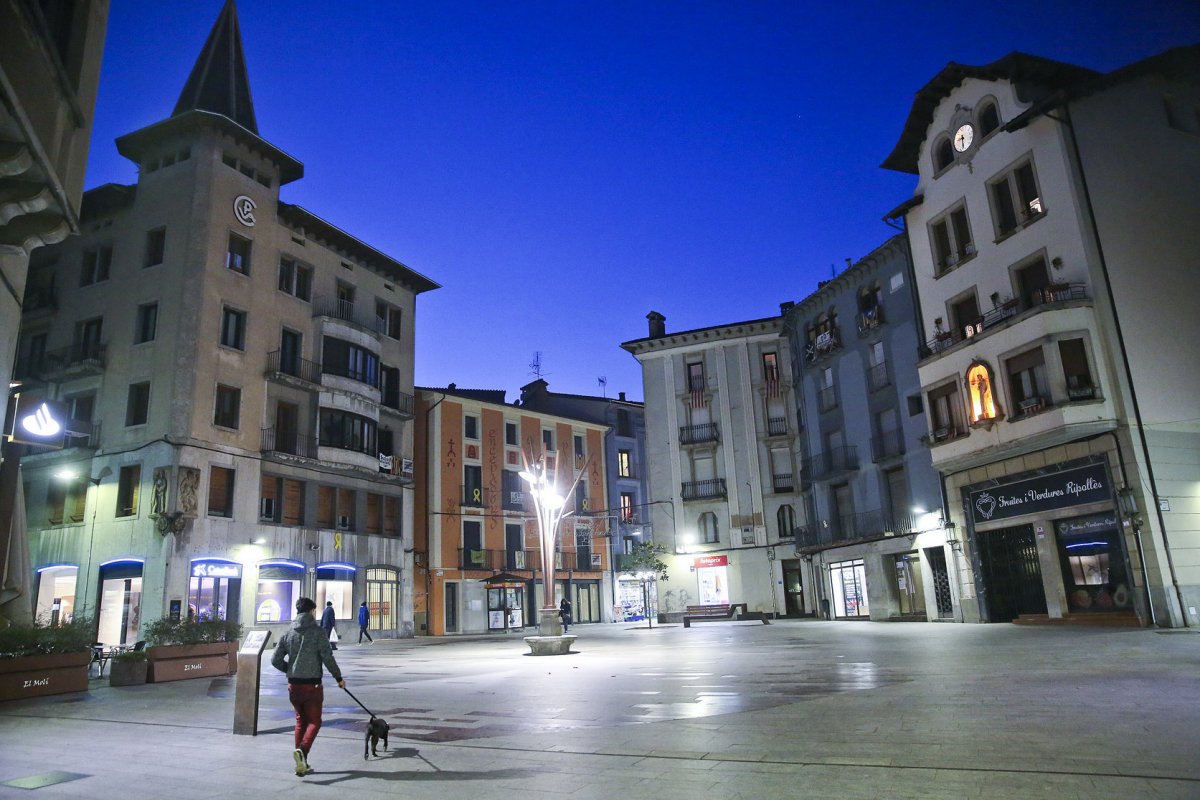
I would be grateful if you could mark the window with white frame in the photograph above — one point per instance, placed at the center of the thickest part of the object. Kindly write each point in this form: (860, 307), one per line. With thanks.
(1015, 197)
(950, 238)
(1027, 382)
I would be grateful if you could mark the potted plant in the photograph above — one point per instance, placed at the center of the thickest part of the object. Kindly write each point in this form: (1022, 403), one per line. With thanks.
(39, 659)
(191, 648)
(129, 668)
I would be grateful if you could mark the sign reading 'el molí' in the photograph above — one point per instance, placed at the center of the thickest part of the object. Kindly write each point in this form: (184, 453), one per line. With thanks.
(1072, 487)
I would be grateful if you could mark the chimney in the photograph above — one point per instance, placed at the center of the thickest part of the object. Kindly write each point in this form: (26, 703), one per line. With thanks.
(621, 396)
(658, 327)
(784, 308)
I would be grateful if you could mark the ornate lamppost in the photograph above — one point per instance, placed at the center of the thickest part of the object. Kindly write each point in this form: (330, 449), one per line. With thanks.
(549, 508)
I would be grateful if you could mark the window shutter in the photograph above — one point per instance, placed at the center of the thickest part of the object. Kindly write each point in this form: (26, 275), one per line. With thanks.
(325, 507)
(373, 514)
(293, 502)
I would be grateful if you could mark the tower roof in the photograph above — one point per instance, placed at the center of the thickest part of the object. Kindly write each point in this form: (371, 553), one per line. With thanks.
(218, 82)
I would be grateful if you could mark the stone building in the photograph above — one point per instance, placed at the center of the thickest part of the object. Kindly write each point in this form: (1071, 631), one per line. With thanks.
(239, 372)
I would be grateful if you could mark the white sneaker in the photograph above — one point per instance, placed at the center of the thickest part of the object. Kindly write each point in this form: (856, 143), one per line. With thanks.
(301, 762)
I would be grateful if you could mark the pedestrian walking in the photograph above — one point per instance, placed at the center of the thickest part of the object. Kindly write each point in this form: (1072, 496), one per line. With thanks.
(364, 619)
(301, 653)
(564, 612)
(327, 620)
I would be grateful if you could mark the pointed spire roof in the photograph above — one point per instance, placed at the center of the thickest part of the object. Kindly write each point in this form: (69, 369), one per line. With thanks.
(219, 82)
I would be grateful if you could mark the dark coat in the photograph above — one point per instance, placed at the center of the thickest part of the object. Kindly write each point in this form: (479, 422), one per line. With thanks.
(327, 620)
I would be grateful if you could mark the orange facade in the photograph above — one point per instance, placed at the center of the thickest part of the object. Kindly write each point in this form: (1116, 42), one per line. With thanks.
(466, 511)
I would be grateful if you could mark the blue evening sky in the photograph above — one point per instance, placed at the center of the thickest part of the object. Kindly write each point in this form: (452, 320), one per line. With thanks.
(562, 168)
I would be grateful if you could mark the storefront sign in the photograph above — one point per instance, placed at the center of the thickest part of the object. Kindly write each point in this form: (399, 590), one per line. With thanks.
(711, 561)
(1072, 487)
(215, 569)
(243, 209)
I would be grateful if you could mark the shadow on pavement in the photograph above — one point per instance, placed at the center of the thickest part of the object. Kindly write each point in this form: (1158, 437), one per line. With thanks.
(338, 776)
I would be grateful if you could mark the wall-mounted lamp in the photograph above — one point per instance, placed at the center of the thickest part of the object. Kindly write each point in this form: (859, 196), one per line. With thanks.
(68, 474)
(1056, 262)
(1127, 501)
(955, 544)
(259, 540)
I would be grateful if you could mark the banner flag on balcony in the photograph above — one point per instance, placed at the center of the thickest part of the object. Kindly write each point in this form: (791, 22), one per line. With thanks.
(697, 398)
(772, 387)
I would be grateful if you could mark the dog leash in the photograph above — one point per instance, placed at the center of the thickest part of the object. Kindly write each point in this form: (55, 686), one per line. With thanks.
(355, 699)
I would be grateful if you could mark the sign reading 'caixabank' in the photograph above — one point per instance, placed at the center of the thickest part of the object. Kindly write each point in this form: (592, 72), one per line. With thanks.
(1071, 487)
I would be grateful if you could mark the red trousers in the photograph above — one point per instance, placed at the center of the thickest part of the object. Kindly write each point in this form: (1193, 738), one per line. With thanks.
(306, 699)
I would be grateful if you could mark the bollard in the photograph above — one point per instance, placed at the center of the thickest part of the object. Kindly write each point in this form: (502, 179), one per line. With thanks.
(245, 697)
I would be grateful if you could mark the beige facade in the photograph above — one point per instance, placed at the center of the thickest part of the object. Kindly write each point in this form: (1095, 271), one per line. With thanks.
(722, 449)
(1054, 271)
(240, 372)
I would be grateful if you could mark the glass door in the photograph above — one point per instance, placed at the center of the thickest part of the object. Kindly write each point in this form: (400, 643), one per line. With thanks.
(848, 580)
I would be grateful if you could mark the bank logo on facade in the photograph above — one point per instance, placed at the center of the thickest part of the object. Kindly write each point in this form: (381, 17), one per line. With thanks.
(243, 209)
(985, 504)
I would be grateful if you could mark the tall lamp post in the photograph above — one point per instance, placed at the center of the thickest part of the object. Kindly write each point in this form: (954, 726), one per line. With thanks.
(549, 508)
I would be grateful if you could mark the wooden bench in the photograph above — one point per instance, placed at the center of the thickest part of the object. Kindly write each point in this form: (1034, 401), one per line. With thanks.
(725, 611)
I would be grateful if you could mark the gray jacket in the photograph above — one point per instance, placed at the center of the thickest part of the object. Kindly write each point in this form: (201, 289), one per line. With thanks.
(302, 650)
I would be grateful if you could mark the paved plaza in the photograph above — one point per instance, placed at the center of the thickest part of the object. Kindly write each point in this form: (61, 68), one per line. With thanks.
(796, 709)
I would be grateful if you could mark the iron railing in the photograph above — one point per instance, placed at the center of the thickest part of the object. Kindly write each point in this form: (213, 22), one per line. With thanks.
(832, 463)
(783, 483)
(398, 401)
(877, 376)
(888, 444)
(296, 367)
(1001, 312)
(777, 426)
(699, 490)
(853, 527)
(699, 434)
(289, 443)
(869, 320)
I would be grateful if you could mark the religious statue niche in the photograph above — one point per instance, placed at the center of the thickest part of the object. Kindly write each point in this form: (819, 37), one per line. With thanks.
(981, 395)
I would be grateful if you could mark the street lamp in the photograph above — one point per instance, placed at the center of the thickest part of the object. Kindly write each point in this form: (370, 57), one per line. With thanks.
(549, 507)
(645, 576)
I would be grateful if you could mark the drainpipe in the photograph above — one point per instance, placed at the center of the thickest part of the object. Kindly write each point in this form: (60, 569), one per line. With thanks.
(1137, 531)
(1137, 412)
(429, 519)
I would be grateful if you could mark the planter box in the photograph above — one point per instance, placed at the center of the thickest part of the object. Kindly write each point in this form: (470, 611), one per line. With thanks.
(37, 676)
(177, 662)
(128, 673)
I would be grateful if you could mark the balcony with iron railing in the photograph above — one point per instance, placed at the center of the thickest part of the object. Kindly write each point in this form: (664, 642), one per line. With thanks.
(292, 366)
(887, 445)
(77, 360)
(290, 443)
(777, 426)
(480, 559)
(513, 499)
(833, 463)
(869, 320)
(877, 376)
(824, 344)
(84, 441)
(398, 402)
(699, 434)
(783, 484)
(827, 399)
(945, 433)
(346, 311)
(1005, 313)
(853, 527)
(39, 302)
(475, 496)
(702, 490)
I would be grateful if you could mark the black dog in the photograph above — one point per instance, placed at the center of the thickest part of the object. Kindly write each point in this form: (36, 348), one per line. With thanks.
(376, 729)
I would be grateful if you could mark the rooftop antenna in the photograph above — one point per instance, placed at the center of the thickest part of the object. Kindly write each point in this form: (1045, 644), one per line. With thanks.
(535, 366)
(603, 381)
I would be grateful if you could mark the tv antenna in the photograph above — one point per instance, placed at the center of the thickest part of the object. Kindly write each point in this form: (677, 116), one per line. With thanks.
(603, 381)
(535, 366)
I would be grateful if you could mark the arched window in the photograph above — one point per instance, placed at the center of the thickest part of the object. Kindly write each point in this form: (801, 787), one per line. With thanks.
(786, 519)
(943, 154)
(989, 118)
(981, 393)
(709, 534)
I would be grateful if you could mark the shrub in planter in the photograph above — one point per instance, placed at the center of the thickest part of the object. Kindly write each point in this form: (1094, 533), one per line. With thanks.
(42, 659)
(128, 669)
(191, 648)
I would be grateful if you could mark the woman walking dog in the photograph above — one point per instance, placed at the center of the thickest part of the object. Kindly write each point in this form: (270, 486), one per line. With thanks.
(301, 652)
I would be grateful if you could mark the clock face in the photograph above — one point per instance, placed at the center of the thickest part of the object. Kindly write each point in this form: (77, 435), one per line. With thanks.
(963, 138)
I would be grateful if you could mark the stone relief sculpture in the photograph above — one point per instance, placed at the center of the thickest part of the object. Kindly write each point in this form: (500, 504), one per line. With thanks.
(189, 488)
(158, 504)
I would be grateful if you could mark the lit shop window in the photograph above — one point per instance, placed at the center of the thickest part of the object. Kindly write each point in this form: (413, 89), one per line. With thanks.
(278, 591)
(335, 584)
